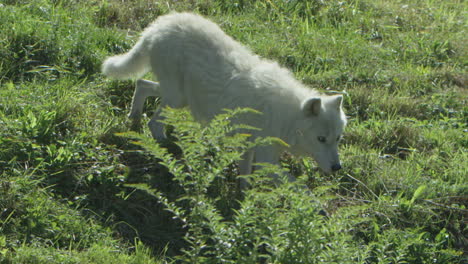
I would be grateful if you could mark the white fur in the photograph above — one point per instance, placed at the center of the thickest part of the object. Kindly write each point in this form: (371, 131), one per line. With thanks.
(199, 66)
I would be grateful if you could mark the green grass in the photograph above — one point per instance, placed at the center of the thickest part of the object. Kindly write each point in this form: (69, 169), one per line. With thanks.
(72, 190)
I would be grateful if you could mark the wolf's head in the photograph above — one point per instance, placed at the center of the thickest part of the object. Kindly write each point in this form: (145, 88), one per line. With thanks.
(318, 130)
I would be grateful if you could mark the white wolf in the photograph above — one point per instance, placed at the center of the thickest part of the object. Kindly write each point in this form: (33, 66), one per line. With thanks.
(200, 67)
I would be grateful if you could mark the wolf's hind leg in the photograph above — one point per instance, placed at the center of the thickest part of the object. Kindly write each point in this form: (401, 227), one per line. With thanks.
(143, 90)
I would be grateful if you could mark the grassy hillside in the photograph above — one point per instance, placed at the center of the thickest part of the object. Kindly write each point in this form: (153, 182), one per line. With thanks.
(73, 190)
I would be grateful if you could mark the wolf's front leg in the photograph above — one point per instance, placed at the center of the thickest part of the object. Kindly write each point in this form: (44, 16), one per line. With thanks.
(156, 127)
(270, 154)
(245, 168)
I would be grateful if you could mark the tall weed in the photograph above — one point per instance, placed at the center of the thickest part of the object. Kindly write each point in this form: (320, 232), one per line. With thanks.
(277, 224)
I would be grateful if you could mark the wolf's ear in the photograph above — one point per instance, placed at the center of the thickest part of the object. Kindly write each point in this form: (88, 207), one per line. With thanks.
(337, 101)
(311, 106)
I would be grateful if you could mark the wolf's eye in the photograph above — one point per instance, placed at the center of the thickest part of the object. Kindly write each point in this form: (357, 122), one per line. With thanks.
(321, 139)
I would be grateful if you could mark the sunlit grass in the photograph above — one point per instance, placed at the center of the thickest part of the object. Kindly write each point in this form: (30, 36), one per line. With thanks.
(72, 191)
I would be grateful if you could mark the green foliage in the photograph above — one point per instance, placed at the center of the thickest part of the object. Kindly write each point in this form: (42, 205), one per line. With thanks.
(269, 224)
(72, 191)
(40, 40)
(95, 254)
(272, 224)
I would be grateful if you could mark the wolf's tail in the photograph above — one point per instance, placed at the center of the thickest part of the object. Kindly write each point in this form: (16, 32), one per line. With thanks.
(132, 64)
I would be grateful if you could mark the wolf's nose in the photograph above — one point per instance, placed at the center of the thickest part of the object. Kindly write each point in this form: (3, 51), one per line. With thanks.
(336, 167)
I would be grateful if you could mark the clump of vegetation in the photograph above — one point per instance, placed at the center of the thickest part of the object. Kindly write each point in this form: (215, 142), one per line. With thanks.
(274, 224)
(74, 191)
